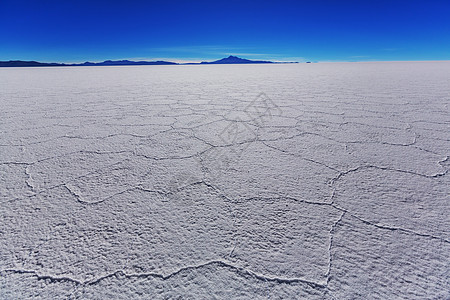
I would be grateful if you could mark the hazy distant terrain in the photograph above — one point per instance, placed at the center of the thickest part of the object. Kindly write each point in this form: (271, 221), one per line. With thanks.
(301, 181)
(227, 60)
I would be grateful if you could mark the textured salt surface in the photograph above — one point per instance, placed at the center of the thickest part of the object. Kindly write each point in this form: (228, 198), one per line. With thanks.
(317, 181)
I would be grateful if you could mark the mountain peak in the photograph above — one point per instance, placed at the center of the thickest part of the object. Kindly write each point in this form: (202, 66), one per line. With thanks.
(237, 60)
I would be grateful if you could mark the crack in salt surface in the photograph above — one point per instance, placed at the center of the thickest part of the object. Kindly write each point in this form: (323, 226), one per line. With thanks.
(121, 273)
(137, 187)
(330, 262)
(391, 228)
(342, 174)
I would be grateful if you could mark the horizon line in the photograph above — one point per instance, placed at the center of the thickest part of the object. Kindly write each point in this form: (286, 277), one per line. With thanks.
(183, 62)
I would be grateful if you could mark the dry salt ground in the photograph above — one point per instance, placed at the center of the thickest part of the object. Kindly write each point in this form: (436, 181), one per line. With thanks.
(298, 181)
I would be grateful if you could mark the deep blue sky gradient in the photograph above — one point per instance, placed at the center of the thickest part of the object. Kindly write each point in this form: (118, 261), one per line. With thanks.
(315, 30)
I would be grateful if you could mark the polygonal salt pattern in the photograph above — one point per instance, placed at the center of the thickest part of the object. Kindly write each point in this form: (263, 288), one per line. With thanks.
(296, 181)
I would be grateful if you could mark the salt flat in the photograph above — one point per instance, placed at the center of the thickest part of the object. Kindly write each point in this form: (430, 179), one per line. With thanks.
(299, 181)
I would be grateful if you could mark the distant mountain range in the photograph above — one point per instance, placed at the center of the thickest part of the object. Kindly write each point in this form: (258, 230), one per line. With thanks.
(228, 60)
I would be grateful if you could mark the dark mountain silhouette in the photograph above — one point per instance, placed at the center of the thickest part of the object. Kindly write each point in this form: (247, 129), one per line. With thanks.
(228, 60)
(20, 63)
(127, 63)
(236, 60)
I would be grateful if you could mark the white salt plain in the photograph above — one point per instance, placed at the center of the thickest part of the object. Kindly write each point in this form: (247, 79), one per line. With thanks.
(299, 181)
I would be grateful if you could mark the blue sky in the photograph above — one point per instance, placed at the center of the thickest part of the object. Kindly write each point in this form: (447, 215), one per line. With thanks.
(315, 30)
